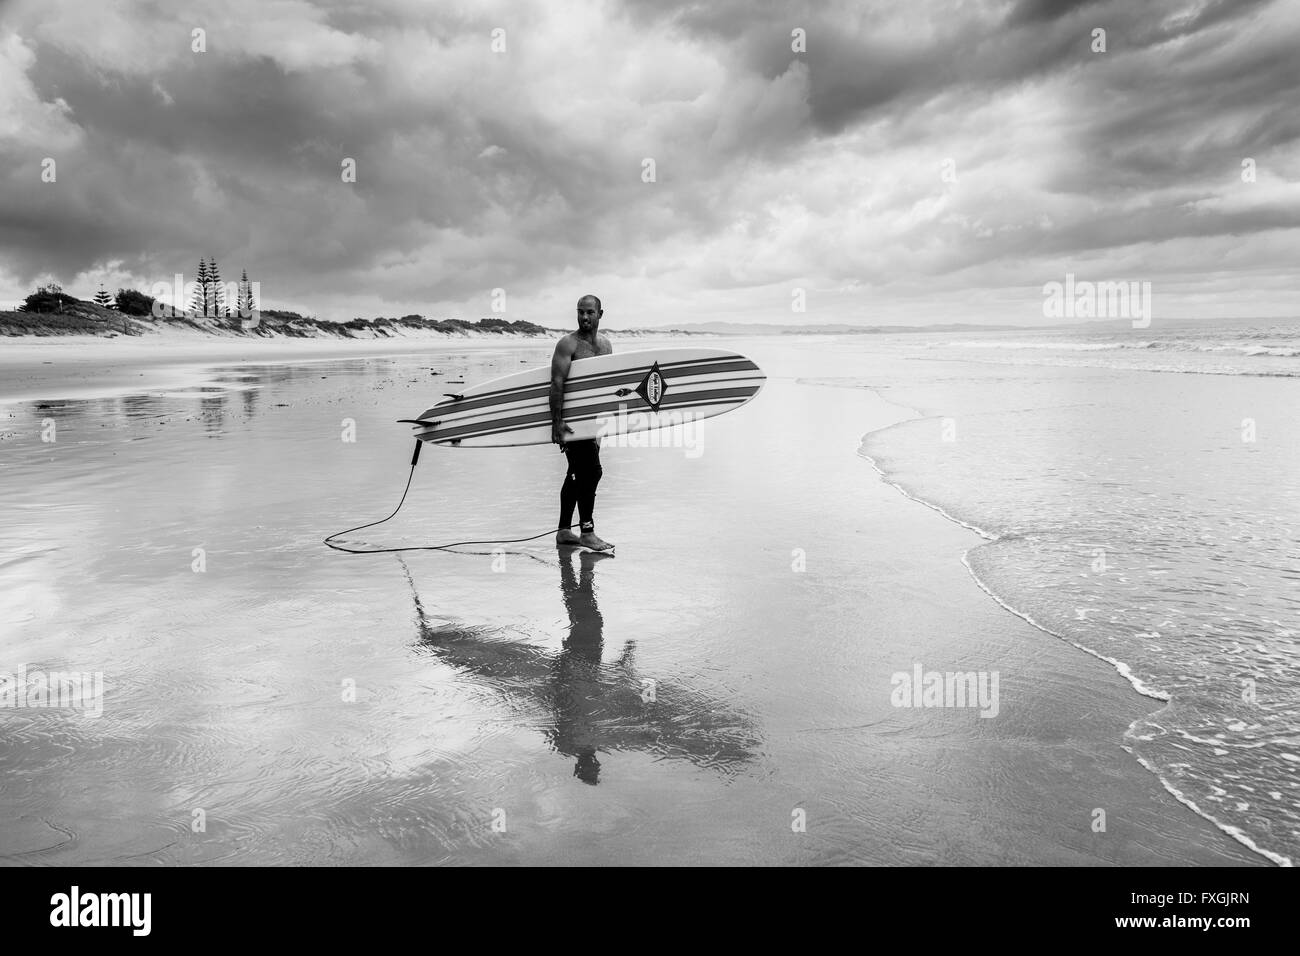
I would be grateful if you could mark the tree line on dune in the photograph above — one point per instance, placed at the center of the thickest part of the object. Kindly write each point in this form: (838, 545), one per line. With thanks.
(208, 300)
(51, 310)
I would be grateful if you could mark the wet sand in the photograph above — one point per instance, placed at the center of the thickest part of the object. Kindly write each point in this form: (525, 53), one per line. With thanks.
(726, 675)
(87, 366)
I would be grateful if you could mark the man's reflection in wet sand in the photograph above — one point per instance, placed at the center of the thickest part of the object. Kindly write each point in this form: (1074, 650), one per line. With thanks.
(596, 707)
(579, 690)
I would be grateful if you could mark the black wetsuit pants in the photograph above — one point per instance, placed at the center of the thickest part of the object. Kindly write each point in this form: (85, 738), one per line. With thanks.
(580, 482)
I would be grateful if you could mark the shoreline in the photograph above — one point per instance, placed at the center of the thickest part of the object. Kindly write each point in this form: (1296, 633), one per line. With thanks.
(1121, 668)
(1200, 832)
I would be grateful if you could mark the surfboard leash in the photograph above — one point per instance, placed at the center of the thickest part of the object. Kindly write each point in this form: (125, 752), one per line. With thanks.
(415, 460)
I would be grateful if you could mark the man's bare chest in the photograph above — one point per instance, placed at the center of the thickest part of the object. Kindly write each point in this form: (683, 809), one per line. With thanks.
(585, 349)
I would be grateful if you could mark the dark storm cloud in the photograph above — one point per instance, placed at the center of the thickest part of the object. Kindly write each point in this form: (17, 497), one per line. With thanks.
(267, 143)
(858, 76)
(1041, 11)
(1206, 108)
(476, 170)
(243, 155)
(1191, 108)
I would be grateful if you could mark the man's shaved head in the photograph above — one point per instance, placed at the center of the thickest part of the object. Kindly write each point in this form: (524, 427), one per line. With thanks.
(589, 312)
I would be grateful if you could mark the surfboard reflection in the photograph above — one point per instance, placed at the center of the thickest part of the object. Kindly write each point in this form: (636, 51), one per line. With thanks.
(595, 707)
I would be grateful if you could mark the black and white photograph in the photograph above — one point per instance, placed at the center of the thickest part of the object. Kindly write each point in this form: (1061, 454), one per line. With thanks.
(614, 433)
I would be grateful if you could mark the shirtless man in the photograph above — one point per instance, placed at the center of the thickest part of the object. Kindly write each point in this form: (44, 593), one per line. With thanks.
(583, 473)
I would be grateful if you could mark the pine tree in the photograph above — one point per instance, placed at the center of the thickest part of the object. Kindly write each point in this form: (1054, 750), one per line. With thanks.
(219, 309)
(199, 304)
(103, 299)
(247, 305)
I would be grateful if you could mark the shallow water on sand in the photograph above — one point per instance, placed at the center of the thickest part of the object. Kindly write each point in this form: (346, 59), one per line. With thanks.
(268, 700)
(1153, 519)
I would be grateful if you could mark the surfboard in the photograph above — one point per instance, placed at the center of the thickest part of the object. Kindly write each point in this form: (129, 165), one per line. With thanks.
(603, 395)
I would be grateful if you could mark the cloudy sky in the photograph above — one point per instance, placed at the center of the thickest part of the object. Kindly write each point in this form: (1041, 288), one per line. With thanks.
(917, 162)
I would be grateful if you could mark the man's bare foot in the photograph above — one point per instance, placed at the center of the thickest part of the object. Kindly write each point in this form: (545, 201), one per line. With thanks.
(589, 540)
(565, 536)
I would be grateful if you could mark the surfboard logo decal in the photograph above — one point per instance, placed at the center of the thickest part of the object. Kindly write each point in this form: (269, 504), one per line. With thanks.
(653, 388)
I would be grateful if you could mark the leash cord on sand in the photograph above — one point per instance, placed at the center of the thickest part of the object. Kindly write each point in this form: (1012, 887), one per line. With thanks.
(415, 458)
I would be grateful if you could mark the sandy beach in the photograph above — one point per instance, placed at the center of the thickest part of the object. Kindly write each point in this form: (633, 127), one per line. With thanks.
(89, 366)
(650, 435)
(491, 707)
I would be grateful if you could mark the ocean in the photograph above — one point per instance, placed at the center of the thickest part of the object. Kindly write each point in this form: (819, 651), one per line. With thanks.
(1150, 519)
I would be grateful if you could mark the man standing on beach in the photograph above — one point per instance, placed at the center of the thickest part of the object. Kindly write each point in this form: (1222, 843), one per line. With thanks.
(583, 473)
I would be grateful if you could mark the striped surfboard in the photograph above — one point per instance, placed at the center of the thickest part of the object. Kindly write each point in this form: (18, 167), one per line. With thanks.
(603, 395)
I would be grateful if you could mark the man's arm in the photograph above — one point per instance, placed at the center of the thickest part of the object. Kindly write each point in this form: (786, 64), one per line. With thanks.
(560, 364)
